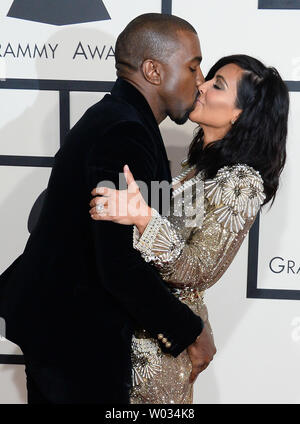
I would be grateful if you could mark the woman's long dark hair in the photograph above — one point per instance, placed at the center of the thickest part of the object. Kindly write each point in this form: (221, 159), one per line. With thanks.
(258, 137)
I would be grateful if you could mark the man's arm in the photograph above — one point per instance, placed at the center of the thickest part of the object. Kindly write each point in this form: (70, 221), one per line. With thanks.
(135, 284)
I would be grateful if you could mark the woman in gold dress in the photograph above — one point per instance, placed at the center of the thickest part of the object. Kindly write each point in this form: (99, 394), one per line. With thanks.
(232, 169)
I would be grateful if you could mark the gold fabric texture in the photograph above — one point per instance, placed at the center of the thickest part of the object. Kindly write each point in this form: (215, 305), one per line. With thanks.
(190, 259)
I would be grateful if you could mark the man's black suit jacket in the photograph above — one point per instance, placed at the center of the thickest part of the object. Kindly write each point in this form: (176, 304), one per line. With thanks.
(74, 296)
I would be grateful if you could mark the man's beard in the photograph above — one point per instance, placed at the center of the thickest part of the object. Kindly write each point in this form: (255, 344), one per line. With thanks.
(182, 120)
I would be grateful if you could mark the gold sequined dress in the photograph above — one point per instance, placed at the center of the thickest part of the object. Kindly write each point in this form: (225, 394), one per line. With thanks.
(192, 248)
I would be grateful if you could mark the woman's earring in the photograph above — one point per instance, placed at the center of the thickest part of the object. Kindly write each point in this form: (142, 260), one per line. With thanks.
(233, 121)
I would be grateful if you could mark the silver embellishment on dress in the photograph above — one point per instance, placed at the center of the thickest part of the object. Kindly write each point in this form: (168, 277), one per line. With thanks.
(187, 293)
(238, 193)
(192, 189)
(146, 359)
(159, 242)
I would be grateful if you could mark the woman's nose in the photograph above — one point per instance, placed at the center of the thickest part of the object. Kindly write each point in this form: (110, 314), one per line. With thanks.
(200, 78)
(202, 88)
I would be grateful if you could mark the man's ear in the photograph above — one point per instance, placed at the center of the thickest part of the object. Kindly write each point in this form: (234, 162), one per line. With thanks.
(152, 71)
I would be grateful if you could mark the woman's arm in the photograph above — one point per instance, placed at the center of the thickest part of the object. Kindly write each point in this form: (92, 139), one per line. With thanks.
(232, 200)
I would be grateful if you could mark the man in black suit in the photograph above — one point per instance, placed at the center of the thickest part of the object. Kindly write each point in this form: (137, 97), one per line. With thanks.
(73, 298)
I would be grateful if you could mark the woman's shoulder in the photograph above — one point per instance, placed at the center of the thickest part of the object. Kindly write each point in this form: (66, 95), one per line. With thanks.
(241, 174)
(184, 163)
(237, 193)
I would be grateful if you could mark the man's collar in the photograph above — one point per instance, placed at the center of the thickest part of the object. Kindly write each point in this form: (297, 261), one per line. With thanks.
(128, 93)
(124, 90)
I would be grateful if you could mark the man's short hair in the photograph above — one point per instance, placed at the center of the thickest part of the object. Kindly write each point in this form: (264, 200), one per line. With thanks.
(149, 36)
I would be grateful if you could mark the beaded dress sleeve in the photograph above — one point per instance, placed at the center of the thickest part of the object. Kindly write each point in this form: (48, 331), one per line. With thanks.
(196, 252)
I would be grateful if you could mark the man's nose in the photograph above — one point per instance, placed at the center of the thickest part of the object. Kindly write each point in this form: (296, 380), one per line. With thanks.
(200, 78)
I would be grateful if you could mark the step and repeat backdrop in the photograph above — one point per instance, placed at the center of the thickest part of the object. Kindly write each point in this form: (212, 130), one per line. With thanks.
(56, 60)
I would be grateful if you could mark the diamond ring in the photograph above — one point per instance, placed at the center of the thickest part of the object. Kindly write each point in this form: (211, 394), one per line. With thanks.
(100, 208)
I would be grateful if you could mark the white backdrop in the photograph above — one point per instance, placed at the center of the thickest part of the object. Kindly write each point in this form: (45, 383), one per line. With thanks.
(258, 339)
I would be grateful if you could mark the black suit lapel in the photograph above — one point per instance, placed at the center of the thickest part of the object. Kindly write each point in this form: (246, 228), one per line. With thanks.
(126, 91)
